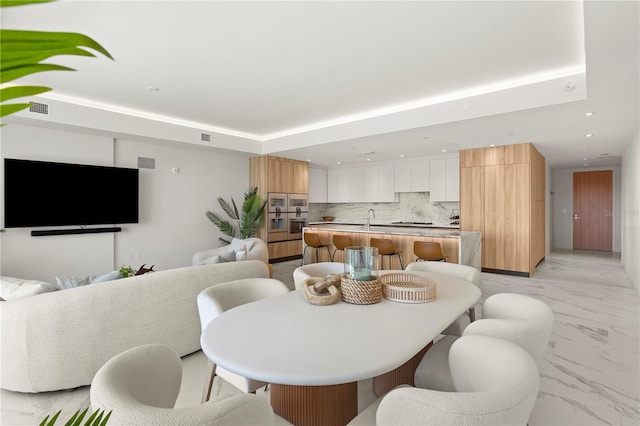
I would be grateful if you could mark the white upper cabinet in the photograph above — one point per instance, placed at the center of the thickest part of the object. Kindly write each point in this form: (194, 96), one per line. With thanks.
(381, 182)
(386, 191)
(444, 179)
(438, 179)
(412, 176)
(371, 185)
(356, 184)
(338, 186)
(402, 177)
(366, 184)
(317, 185)
(420, 176)
(453, 179)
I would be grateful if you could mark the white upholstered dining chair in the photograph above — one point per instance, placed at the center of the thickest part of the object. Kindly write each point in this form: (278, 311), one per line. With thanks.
(465, 272)
(496, 383)
(221, 297)
(523, 320)
(140, 387)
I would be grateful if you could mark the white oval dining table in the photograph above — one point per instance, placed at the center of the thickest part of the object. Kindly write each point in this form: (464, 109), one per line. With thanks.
(314, 355)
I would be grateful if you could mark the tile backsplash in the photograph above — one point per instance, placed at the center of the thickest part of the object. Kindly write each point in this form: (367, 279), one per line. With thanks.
(412, 207)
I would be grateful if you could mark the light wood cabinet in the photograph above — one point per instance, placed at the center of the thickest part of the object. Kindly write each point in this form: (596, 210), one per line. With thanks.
(502, 196)
(404, 243)
(276, 174)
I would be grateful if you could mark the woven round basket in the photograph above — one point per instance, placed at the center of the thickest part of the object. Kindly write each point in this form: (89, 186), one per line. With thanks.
(408, 288)
(361, 292)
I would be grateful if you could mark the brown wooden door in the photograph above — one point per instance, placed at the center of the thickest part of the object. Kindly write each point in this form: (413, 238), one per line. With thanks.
(592, 210)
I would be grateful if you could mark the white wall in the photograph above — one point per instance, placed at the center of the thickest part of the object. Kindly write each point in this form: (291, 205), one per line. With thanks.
(172, 224)
(630, 210)
(562, 204)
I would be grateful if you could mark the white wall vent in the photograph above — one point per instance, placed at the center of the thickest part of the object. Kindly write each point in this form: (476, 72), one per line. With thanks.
(146, 163)
(205, 137)
(39, 108)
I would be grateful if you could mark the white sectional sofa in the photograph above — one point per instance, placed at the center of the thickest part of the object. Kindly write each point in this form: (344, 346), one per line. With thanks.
(239, 249)
(59, 340)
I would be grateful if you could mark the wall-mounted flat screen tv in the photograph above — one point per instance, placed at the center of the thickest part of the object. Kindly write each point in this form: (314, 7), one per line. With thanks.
(41, 193)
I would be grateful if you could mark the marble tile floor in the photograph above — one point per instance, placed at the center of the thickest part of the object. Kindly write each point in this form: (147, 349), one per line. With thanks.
(590, 375)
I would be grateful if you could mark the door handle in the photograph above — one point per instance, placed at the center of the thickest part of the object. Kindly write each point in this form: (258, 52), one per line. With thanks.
(576, 217)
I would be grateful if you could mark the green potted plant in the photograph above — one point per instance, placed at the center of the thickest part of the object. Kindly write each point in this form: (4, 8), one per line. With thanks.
(248, 221)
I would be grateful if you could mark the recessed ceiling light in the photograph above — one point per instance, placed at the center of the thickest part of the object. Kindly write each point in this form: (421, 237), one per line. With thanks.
(444, 150)
(368, 159)
(589, 114)
(493, 144)
(588, 135)
(401, 155)
(339, 162)
(585, 158)
(309, 160)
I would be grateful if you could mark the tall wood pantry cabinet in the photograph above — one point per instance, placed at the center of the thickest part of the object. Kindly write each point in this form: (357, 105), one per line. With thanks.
(502, 195)
(277, 174)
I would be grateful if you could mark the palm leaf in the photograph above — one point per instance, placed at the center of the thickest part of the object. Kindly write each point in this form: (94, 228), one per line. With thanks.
(235, 210)
(24, 51)
(52, 421)
(224, 226)
(12, 108)
(21, 91)
(9, 3)
(231, 211)
(15, 73)
(96, 418)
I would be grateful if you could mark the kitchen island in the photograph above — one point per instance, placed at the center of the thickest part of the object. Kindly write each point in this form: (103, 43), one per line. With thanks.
(462, 247)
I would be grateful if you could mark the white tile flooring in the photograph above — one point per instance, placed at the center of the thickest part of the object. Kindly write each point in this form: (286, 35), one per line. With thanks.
(590, 375)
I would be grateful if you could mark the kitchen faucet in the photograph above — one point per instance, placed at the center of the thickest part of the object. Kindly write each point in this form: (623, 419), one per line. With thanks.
(369, 217)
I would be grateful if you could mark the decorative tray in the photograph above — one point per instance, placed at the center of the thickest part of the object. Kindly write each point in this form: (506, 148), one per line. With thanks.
(408, 288)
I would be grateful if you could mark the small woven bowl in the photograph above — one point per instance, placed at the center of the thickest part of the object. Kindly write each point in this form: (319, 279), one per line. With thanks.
(408, 288)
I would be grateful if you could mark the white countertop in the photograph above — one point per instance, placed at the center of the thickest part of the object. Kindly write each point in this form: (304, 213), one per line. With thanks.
(286, 340)
(417, 230)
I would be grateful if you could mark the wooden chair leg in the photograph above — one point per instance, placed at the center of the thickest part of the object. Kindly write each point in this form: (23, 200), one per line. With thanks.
(208, 383)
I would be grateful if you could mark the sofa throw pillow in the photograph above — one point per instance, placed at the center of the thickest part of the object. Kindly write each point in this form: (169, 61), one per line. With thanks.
(229, 256)
(241, 253)
(72, 282)
(15, 288)
(237, 243)
(213, 259)
(113, 275)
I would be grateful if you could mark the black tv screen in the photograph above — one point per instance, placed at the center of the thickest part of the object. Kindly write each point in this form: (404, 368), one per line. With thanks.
(41, 193)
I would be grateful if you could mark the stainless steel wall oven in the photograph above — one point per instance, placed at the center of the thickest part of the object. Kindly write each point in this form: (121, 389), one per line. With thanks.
(287, 215)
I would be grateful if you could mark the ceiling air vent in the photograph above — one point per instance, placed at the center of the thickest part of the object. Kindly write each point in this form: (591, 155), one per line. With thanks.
(205, 137)
(39, 108)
